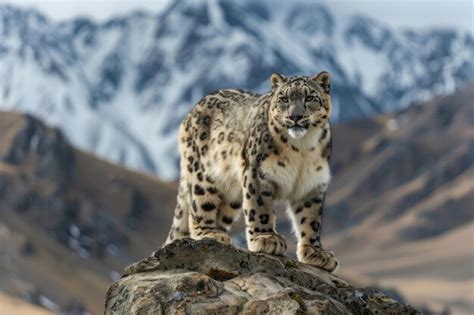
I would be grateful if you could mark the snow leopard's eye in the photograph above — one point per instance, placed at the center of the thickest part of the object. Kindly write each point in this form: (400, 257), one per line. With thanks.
(309, 98)
(314, 103)
(284, 99)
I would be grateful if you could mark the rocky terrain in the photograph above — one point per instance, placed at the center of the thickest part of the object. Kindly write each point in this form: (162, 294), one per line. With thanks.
(208, 277)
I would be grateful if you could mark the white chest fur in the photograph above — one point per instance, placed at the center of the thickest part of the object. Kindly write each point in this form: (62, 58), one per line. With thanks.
(297, 173)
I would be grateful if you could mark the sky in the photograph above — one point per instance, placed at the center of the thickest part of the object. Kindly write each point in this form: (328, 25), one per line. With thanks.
(413, 14)
(397, 13)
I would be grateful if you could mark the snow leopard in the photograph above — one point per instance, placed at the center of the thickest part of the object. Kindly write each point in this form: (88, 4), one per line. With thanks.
(243, 152)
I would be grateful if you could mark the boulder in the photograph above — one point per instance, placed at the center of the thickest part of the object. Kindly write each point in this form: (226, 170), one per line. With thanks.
(208, 277)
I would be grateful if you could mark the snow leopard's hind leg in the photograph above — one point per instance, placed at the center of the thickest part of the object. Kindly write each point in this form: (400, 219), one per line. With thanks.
(203, 197)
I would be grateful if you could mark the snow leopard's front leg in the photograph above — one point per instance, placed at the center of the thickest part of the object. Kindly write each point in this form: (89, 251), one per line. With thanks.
(307, 218)
(260, 216)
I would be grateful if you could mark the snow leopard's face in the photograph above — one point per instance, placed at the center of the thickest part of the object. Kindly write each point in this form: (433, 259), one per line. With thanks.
(300, 102)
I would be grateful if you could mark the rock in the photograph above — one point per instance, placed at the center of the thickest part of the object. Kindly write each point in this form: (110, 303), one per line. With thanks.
(208, 277)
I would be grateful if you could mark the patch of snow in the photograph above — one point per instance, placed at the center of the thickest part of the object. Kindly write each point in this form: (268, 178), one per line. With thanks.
(74, 230)
(114, 276)
(49, 304)
(392, 124)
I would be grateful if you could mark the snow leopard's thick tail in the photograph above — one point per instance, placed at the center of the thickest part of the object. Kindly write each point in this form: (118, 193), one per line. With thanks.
(180, 227)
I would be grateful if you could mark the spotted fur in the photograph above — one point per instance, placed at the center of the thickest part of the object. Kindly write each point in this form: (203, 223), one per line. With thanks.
(241, 152)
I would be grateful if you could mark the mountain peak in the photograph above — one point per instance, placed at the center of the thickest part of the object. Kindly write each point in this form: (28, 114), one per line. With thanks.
(11, 15)
(369, 31)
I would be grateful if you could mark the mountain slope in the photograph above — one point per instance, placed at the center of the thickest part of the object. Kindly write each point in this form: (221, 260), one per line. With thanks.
(418, 160)
(69, 221)
(120, 88)
(13, 306)
(400, 207)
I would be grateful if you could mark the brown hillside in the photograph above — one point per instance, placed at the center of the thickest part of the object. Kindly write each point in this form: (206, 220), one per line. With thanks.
(400, 209)
(70, 221)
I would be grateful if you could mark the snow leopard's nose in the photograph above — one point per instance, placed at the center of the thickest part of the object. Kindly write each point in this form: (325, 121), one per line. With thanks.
(295, 117)
(295, 111)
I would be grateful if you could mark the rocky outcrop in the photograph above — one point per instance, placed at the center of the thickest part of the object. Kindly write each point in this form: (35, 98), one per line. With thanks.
(29, 140)
(208, 277)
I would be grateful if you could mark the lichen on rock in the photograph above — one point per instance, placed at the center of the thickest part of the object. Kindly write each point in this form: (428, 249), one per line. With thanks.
(208, 277)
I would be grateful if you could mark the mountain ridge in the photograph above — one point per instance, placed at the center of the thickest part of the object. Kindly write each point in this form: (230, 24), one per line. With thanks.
(126, 83)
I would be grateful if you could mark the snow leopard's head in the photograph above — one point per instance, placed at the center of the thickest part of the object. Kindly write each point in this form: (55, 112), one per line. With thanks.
(299, 103)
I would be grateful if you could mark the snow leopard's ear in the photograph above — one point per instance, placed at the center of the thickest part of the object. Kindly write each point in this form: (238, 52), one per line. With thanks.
(323, 79)
(277, 79)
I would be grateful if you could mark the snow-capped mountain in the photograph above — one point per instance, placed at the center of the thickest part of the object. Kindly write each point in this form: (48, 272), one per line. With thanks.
(121, 87)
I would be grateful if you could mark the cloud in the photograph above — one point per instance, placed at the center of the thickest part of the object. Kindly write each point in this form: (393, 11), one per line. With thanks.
(411, 14)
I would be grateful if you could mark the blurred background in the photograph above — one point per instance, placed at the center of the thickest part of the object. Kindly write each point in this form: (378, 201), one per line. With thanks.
(92, 94)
